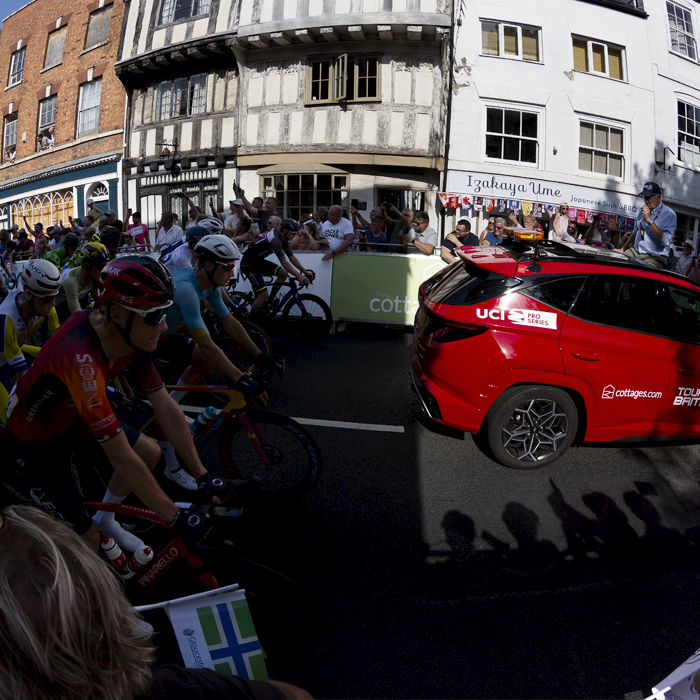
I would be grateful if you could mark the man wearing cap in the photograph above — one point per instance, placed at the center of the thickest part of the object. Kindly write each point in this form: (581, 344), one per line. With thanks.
(94, 211)
(686, 257)
(653, 230)
(237, 212)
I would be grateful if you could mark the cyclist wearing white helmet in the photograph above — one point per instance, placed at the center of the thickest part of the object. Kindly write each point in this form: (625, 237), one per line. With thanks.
(180, 254)
(23, 319)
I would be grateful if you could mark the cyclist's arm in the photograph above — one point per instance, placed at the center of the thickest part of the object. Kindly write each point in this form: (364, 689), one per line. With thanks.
(71, 288)
(235, 330)
(52, 322)
(134, 470)
(172, 421)
(11, 348)
(213, 354)
(287, 265)
(295, 261)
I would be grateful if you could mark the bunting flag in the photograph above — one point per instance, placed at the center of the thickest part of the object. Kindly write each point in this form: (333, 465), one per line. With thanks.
(589, 216)
(442, 196)
(550, 209)
(502, 205)
(515, 205)
(466, 202)
(612, 221)
(478, 203)
(572, 213)
(630, 224)
(580, 216)
(527, 208)
(603, 219)
(453, 201)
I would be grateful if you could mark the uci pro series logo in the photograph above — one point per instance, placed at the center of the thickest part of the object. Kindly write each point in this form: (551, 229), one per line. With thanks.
(520, 317)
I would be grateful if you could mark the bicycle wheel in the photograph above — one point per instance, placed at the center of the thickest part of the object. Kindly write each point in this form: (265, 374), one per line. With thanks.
(294, 459)
(309, 324)
(285, 614)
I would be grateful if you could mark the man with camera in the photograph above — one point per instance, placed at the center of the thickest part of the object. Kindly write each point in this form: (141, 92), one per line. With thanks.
(421, 236)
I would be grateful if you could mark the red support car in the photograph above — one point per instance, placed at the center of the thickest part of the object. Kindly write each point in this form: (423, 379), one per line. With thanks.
(535, 349)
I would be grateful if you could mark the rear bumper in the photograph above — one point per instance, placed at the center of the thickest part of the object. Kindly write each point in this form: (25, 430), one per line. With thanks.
(427, 400)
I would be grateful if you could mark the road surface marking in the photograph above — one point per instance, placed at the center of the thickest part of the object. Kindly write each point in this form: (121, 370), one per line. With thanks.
(325, 423)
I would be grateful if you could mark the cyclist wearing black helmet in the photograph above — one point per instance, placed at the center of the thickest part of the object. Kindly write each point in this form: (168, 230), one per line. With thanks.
(111, 238)
(77, 282)
(60, 256)
(254, 264)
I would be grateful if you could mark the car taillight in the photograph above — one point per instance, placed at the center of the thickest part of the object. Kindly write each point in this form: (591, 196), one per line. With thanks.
(449, 333)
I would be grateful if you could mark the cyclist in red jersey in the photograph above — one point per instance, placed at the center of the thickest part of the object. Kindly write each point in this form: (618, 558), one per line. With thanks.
(60, 406)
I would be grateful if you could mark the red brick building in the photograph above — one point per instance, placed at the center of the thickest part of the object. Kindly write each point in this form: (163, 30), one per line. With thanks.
(62, 109)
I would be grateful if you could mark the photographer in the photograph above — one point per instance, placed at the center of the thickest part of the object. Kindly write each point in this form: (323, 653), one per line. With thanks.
(421, 236)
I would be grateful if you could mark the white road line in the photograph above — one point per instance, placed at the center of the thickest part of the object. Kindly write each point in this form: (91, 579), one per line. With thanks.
(325, 423)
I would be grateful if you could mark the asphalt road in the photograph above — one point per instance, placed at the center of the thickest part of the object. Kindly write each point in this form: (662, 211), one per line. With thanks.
(444, 575)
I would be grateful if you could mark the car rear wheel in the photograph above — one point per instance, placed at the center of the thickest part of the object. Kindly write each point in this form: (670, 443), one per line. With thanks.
(530, 427)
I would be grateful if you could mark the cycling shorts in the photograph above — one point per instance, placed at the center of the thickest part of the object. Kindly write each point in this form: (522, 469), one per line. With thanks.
(254, 271)
(54, 483)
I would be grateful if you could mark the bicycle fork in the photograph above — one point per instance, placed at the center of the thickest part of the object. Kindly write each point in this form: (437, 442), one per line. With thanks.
(255, 435)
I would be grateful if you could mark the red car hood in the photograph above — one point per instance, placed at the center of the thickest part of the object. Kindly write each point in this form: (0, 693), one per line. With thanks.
(490, 258)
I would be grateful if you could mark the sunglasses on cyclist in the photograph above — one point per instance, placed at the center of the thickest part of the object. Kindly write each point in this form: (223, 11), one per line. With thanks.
(152, 317)
(227, 266)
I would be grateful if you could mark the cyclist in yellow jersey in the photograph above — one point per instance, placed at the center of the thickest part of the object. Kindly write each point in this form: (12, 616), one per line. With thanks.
(26, 315)
(79, 281)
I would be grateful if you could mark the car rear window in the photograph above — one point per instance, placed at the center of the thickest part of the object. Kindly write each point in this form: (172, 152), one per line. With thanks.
(465, 284)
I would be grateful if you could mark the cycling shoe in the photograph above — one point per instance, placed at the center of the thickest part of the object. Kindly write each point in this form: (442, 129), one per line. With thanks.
(126, 540)
(182, 478)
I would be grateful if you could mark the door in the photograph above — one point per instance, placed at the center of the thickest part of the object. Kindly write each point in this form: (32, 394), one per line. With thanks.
(613, 357)
(151, 210)
(680, 415)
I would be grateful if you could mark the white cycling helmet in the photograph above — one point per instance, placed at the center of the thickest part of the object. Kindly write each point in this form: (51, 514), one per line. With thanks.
(41, 277)
(217, 248)
(214, 225)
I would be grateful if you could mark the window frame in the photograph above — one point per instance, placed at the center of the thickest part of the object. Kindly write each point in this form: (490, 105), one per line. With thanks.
(94, 130)
(338, 77)
(190, 97)
(689, 10)
(106, 8)
(608, 124)
(61, 30)
(539, 140)
(162, 23)
(590, 42)
(39, 126)
(14, 57)
(501, 45)
(9, 119)
(679, 148)
(283, 204)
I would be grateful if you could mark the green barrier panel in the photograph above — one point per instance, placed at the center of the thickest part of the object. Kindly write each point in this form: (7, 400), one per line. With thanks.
(379, 287)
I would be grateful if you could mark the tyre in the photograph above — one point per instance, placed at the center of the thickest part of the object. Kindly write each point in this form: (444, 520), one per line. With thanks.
(531, 426)
(295, 462)
(285, 615)
(310, 324)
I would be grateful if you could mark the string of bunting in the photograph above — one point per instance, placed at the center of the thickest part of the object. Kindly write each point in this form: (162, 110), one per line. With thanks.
(468, 202)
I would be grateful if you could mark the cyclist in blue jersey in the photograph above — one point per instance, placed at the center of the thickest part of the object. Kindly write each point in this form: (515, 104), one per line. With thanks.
(216, 256)
(255, 265)
(180, 254)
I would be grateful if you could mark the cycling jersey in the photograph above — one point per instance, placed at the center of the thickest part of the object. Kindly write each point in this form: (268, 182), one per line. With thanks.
(67, 382)
(58, 257)
(263, 245)
(177, 254)
(187, 301)
(73, 289)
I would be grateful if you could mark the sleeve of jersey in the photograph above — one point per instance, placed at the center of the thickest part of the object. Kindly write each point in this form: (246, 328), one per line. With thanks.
(71, 289)
(53, 322)
(277, 248)
(10, 345)
(146, 372)
(187, 301)
(217, 304)
(85, 380)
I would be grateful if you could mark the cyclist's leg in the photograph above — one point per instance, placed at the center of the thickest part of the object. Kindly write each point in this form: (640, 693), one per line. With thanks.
(178, 350)
(257, 283)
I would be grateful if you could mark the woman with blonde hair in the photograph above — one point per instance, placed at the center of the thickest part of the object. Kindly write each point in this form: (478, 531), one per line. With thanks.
(307, 238)
(68, 633)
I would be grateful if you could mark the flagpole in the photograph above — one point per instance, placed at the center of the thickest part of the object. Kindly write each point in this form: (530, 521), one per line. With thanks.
(175, 601)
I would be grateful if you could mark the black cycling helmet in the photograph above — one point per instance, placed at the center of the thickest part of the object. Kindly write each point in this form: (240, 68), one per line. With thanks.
(290, 225)
(111, 236)
(70, 240)
(196, 233)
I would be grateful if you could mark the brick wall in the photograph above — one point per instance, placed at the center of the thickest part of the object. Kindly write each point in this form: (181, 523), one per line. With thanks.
(32, 25)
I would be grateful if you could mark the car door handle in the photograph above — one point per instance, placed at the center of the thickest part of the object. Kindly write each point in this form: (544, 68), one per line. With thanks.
(588, 356)
(686, 372)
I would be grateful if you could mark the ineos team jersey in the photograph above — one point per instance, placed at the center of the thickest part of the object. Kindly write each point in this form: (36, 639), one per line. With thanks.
(67, 381)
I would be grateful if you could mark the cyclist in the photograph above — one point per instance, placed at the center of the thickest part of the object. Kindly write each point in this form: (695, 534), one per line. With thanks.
(79, 281)
(61, 256)
(22, 318)
(61, 406)
(255, 265)
(180, 254)
(216, 256)
(111, 238)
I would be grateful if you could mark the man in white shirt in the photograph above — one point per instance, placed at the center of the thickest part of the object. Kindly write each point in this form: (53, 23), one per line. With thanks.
(686, 257)
(337, 231)
(168, 232)
(236, 213)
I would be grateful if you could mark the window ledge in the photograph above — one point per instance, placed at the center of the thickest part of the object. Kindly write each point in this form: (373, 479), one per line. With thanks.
(512, 58)
(520, 164)
(9, 87)
(326, 103)
(694, 61)
(601, 176)
(92, 48)
(48, 68)
(686, 166)
(600, 75)
(165, 25)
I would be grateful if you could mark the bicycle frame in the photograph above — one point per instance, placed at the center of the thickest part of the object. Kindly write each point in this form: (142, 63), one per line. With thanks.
(176, 549)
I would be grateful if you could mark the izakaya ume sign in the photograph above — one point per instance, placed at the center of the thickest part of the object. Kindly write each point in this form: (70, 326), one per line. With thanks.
(521, 188)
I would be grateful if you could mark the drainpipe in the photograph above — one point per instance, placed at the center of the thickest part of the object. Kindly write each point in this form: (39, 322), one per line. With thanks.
(448, 115)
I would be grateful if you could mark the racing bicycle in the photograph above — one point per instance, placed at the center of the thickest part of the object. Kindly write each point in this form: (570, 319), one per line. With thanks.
(306, 317)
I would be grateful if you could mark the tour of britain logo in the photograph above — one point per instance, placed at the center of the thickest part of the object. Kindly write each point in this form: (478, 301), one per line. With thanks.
(188, 632)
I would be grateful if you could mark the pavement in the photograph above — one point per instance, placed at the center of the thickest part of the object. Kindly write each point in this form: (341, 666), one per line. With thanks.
(442, 574)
